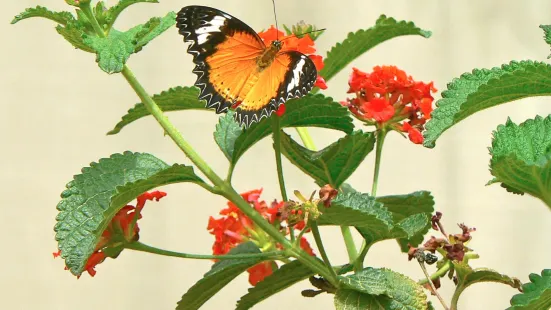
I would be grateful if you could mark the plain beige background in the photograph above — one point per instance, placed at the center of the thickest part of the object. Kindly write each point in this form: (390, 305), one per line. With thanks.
(57, 105)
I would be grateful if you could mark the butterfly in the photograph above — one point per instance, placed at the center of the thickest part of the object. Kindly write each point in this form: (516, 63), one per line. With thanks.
(236, 70)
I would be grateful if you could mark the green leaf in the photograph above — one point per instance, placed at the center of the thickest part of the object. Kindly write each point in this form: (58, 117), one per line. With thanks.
(363, 40)
(396, 291)
(369, 281)
(112, 51)
(536, 294)
(484, 88)
(74, 34)
(152, 29)
(62, 18)
(547, 35)
(521, 157)
(308, 111)
(175, 174)
(227, 131)
(281, 279)
(114, 11)
(222, 273)
(361, 211)
(86, 207)
(333, 164)
(412, 213)
(466, 276)
(174, 99)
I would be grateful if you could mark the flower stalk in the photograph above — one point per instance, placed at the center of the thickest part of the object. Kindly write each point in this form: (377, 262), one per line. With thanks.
(141, 247)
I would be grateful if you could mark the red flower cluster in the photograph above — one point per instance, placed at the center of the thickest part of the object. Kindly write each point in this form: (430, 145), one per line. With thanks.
(389, 97)
(122, 229)
(304, 45)
(234, 228)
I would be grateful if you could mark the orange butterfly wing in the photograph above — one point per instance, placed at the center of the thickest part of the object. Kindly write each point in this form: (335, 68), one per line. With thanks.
(226, 54)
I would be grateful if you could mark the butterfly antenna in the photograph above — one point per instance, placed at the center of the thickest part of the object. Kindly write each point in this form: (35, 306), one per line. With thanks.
(275, 16)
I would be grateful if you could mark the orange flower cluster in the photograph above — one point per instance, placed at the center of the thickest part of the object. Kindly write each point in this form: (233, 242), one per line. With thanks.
(234, 228)
(389, 97)
(123, 228)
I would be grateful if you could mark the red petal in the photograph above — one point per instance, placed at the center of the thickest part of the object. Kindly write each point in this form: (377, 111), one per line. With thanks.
(306, 246)
(258, 272)
(280, 110)
(320, 82)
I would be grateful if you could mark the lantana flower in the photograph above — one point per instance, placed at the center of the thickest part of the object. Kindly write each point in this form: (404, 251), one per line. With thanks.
(389, 98)
(234, 228)
(122, 229)
(304, 44)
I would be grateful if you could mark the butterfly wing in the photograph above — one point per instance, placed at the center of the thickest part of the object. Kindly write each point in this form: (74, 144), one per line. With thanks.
(291, 75)
(224, 51)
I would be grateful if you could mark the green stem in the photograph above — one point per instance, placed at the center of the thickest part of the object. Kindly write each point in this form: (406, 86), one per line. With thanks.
(306, 138)
(438, 274)
(276, 133)
(321, 248)
(138, 246)
(349, 243)
(223, 188)
(381, 134)
(345, 230)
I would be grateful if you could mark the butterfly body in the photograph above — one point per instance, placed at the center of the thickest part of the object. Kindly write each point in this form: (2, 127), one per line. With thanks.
(235, 69)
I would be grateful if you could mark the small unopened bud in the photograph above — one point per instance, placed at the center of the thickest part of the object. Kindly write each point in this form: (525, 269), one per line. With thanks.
(77, 2)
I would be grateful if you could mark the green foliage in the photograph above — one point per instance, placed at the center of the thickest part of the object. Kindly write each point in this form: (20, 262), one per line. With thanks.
(407, 217)
(62, 18)
(363, 40)
(74, 33)
(369, 281)
(335, 163)
(392, 291)
(358, 210)
(221, 273)
(173, 99)
(547, 35)
(467, 276)
(114, 50)
(152, 29)
(114, 11)
(175, 174)
(308, 111)
(227, 131)
(535, 295)
(96, 195)
(484, 88)
(409, 211)
(521, 157)
(282, 278)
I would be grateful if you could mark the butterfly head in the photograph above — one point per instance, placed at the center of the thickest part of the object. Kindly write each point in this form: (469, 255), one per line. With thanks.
(277, 45)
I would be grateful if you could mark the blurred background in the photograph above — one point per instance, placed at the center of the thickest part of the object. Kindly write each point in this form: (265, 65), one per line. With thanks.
(57, 106)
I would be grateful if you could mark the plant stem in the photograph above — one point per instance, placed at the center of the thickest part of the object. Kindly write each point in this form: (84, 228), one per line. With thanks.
(306, 138)
(438, 274)
(433, 287)
(276, 134)
(221, 187)
(381, 134)
(345, 230)
(349, 243)
(138, 246)
(321, 248)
